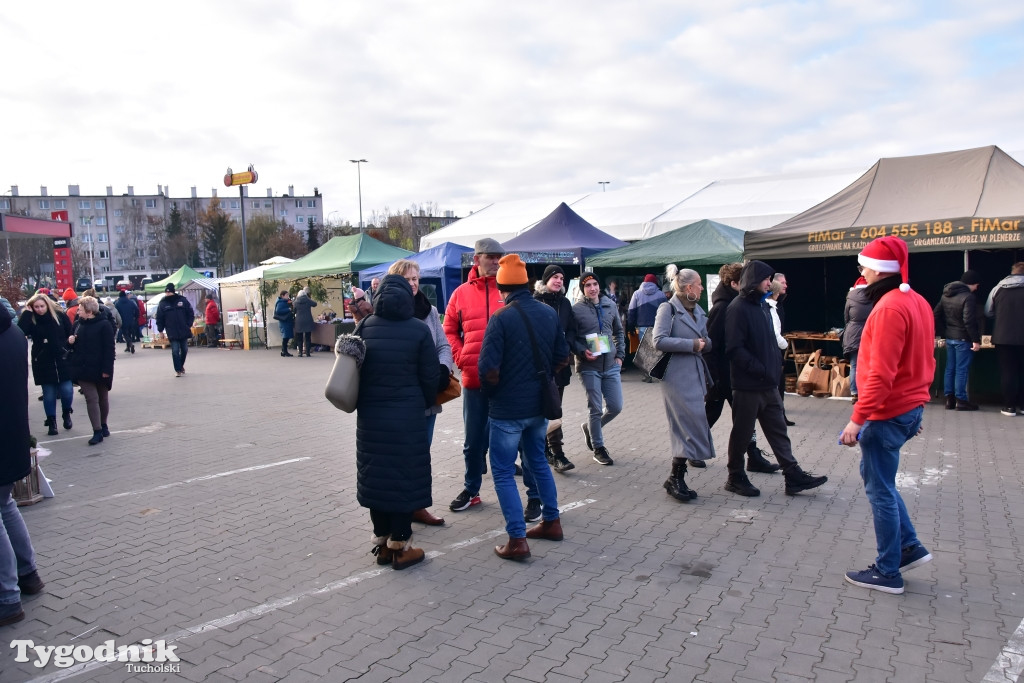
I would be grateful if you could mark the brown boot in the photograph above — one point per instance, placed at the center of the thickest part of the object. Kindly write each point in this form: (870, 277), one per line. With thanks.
(550, 530)
(404, 555)
(424, 516)
(381, 550)
(515, 549)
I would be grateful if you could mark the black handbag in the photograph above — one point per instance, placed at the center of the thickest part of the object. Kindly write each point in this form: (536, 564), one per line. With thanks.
(551, 400)
(649, 359)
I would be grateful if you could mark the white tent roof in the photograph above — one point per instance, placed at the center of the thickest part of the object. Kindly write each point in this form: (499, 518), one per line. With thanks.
(636, 213)
(208, 283)
(276, 261)
(501, 221)
(250, 275)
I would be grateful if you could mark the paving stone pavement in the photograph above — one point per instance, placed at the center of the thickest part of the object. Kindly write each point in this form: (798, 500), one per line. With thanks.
(221, 517)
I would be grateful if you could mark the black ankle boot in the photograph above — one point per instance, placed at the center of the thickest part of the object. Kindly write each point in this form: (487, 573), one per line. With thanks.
(97, 436)
(675, 485)
(51, 423)
(104, 431)
(756, 462)
(67, 418)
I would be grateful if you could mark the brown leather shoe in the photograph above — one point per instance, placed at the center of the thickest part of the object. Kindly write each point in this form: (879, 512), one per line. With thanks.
(551, 531)
(515, 549)
(424, 516)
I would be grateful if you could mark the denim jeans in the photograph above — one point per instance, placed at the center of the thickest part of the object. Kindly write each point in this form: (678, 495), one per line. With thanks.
(17, 557)
(431, 421)
(50, 393)
(958, 364)
(853, 373)
(602, 388)
(880, 443)
(504, 443)
(475, 407)
(179, 349)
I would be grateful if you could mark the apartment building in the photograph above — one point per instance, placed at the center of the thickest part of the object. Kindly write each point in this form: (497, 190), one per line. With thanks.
(125, 231)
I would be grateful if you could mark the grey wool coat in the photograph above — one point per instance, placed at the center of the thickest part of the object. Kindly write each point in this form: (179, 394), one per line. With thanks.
(684, 385)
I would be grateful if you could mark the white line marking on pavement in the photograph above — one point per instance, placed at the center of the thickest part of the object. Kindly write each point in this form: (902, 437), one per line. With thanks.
(1010, 662)
(274, 605)
(183, 482)
(147, 429)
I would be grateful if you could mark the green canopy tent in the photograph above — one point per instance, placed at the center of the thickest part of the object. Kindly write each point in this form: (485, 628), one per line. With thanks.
(178, 278)
(338, 256)
(704, 243)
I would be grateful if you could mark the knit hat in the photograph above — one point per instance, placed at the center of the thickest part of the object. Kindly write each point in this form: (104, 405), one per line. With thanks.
(69, 294)
(357, 293)
(169, 287)
(122, 295)
(887, 255)
(43, 290)
(488, 246)
(511, 270)
(651, 277)
(588, 276)
(970, 277)
(550, 272)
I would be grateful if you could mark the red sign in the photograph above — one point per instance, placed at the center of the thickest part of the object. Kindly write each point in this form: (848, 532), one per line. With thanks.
(63, 275)
(59, 215)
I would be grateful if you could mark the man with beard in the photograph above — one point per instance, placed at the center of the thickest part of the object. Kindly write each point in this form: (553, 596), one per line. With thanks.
(754, 369)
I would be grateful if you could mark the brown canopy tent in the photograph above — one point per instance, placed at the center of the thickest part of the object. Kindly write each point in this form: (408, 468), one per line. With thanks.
(970, 199)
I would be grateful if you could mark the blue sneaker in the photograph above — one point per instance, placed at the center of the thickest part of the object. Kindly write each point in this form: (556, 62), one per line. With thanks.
(871, 578)
(914, 556)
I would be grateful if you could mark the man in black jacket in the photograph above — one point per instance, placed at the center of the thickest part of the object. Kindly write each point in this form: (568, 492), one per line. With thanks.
(754, 369)
(1006, 305)
(957, 314)
(727, 289)
(174, 314)
(18, 574)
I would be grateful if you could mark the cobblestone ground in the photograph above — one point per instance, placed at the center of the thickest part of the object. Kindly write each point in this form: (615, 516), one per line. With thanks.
(220, 517)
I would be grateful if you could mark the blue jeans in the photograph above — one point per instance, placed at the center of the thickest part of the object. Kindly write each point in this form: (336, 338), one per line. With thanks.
(50, 392)
(853, 373)
(17, 558)
(604, 397)
(179, 349)
(505, 440)
(475, 407)
(958, 364)
(880, 443)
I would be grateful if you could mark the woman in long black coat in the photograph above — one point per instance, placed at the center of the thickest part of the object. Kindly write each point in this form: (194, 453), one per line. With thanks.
(48, 327)
(397, 383)
(92, 363)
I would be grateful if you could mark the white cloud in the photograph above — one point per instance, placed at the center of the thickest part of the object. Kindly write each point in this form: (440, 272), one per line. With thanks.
(464, 104)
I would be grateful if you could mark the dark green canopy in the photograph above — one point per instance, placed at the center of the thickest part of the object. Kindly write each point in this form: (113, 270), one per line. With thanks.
(702, 243)
(348, 254)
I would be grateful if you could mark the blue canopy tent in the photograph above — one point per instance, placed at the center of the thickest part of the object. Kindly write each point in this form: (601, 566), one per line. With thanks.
(440, 266)
(562, 237)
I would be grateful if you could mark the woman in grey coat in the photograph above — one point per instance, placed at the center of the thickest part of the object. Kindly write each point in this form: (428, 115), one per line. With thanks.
(681, 329)
(303, 306)
(855, 314)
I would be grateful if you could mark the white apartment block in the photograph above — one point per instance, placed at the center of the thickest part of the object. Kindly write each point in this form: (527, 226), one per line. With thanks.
(126, 230)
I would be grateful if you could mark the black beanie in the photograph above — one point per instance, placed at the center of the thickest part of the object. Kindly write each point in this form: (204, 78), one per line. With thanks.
(588, 276)
(970, 278)
(122, 295)
(550, 272)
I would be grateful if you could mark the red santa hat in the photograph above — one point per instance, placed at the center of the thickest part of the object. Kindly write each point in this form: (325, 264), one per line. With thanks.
(860, 282)
(887, 255)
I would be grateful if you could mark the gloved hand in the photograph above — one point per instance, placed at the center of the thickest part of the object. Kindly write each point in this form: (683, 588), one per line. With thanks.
(442, 380)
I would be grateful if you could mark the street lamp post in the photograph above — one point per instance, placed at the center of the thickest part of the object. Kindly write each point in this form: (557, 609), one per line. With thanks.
(359, 177)
(88, 230)
(603, 184)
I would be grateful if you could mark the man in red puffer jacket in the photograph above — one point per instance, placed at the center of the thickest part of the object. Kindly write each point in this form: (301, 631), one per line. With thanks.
(472, 304)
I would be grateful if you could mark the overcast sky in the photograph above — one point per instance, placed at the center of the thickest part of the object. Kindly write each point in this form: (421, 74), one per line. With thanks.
(466, 103)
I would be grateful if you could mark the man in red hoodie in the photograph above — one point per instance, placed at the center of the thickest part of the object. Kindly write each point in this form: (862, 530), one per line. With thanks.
(895, 368)
(212, 316)
(465, 320)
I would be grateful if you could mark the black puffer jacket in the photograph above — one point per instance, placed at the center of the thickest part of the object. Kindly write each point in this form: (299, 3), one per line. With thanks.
(397, 383)
(14, 455)
(957, 313)
(717, 361)
(49, 343)
(566, 321)
(855, 314)
(750, 336)
(92, 354)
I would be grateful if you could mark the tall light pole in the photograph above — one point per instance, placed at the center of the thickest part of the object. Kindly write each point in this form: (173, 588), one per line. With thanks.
(92, 270)
(603, 183)
(359, 177)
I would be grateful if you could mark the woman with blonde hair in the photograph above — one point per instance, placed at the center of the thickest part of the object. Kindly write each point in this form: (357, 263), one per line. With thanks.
(681, 329)
(92, 363)
(423, 310)
(48, 327)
